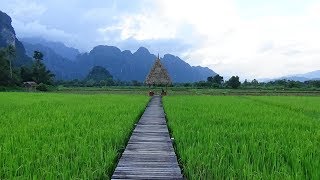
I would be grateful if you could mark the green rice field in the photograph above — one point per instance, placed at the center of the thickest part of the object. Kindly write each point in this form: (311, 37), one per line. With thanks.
(246, 137)
(81, 136)
(64, 136)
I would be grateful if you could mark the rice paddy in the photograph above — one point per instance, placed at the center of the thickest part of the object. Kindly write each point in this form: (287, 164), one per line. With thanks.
(246, 137)
(64, 136)
(80, 136)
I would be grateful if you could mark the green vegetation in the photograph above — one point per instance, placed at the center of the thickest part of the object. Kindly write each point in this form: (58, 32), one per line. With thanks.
(217, 82)
(99, 73)
(11, 76)
(234, 82)
(99, 76)
(186, 91)
(246, 137)
(64, 136)
(6, 74)
(40, 74)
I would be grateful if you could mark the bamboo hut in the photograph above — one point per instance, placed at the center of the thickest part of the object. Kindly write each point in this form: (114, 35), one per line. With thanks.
(158, 76)
(30, 85)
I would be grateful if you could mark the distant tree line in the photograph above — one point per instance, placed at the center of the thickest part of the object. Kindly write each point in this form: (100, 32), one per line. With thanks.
(217, 81)
(15, 76)
(93, 83)
(99, 77)
(281, 84)
(234, 82)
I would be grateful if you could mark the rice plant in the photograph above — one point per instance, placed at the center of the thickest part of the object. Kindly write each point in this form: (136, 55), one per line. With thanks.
(246, 137)
(64, 136)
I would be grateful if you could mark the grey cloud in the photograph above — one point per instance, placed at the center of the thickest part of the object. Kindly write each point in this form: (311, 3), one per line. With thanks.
(76, 24)
(73, 22)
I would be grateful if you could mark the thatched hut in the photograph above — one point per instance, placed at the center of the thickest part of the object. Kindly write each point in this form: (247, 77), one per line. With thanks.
(158, 76)
(30, 85)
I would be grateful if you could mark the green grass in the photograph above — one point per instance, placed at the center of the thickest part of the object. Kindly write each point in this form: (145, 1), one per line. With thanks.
(76, 136)
(143, 90)
(246, 137)
(64, 136)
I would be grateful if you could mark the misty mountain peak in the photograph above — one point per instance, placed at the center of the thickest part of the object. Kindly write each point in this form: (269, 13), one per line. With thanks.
(58, 47)
(170, 57)
(106, 49)
(142, 51)
(126, 53)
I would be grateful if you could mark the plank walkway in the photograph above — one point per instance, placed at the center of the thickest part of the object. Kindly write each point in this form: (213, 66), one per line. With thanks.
(149, 153)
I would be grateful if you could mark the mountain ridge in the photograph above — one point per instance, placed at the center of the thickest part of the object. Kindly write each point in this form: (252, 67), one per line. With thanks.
(126, 65)
(309, 76)
(58, 47)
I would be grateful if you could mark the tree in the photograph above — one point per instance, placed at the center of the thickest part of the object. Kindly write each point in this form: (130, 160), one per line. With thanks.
(40, 74)
(42, 87)
(4, 69)
(38, 56)
(110, 82)
(102, 83)
(234, 82)
(245, 83)
(26, 74)
(254, 82)
(217, 79)
(187, 84)
(315, 83)
(294, 84)
(202, 84)
(90, 83)
(11, 53)
(107, 82)
(136, 83)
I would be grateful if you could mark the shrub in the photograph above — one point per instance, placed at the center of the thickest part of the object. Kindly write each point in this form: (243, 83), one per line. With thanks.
(42, 87)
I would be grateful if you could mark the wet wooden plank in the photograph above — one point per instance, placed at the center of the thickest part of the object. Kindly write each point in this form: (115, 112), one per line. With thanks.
(149, 153)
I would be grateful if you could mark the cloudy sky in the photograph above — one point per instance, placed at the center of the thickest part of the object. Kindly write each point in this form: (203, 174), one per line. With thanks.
(249, 38)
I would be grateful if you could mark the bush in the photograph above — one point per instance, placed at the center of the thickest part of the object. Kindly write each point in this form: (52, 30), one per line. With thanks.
(2, 88)
(42, 87)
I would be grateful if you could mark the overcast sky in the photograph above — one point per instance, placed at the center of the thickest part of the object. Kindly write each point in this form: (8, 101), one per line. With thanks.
(249, 38)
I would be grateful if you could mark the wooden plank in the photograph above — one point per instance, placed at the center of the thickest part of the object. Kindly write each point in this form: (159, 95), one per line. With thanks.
(149, 153)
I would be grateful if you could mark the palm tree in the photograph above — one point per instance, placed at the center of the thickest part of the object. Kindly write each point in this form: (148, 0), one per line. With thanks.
(37, 55)
(11, 52)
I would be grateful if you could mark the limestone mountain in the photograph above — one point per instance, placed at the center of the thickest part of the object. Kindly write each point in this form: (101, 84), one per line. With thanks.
(58, 47)
(8, 37)
(309, 76)
(123, 65)
(128, 66)
(314, 75)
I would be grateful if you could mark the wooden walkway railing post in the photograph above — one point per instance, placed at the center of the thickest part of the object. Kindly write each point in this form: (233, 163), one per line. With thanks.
(149, 153)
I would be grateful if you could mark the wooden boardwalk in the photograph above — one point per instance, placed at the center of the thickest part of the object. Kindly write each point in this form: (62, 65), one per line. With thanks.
(149, 153)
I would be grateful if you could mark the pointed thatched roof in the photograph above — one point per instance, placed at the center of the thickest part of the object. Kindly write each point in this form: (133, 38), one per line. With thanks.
(158, 75)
